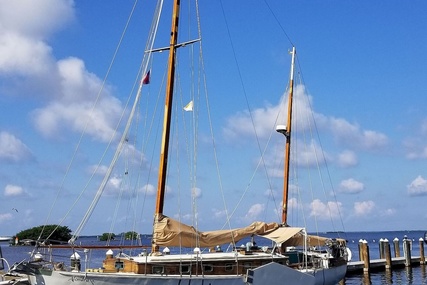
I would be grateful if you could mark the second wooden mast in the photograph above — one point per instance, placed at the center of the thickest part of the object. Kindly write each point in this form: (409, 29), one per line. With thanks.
(287, 133)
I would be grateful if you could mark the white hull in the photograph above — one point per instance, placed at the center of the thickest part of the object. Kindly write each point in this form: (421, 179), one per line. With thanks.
(271, 274)
(330, 276)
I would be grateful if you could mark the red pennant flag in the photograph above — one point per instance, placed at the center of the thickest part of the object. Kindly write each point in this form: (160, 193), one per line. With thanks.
(146, 79)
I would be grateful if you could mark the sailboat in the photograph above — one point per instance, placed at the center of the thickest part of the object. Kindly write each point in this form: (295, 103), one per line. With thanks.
(294, 256)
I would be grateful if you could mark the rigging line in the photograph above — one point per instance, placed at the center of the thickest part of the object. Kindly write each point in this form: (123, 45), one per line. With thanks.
(211, 127)
(194, 125)
(310, 180)
(132, 203)
(190, 149)
(333, 190)
(176, 139)
(323, 156)
(146, 59)
(116, 209)
(194, 121)
(197, 91)
(150, 129)
(244, 91)
(175, 136)
(87, 124)
(307, 150)
(261, 161)
(213, 141)
(318, 167)
(190, 161)
(142, 155)
(278, 22)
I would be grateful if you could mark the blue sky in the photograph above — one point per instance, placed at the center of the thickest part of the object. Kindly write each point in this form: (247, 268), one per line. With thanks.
(364, 70)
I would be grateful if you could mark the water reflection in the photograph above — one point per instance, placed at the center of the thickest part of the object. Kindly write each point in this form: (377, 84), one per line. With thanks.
(388, 277)
(366, 279)
(409, 275)
(403, 276)
(423, 271)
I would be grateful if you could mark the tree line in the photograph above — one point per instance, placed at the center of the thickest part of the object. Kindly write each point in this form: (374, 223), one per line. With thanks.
(55, 234)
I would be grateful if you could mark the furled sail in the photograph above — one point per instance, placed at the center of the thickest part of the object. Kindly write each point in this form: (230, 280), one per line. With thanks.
(311, 240)
(169, 232)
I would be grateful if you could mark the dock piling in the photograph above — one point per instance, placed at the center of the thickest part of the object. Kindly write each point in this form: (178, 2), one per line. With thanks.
(365, 255)
(396, 247)
(387, 253)
(387, 262)
(407, 251)
(360, 249)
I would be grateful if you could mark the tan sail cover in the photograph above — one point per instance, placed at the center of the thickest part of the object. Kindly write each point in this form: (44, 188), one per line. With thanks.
(169, 232)
(282, 234)
(312, 240)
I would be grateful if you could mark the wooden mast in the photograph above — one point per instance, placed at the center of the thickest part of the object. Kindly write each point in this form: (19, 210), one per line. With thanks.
(287, 134)
(161, 186)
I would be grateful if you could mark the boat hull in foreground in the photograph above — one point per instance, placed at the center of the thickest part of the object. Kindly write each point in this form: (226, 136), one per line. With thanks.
(272, 273)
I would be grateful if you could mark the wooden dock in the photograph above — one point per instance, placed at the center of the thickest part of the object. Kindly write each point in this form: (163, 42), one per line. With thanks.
(386, 261)
(354, 267)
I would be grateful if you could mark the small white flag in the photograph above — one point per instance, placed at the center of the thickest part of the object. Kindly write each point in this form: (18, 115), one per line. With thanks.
(189, 106)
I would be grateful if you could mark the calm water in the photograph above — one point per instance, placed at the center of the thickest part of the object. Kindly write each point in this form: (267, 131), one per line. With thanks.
(416, 275)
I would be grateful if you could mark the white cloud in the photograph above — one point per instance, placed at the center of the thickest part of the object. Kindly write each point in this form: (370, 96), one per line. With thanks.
(184, 217)
(196, 192)
(254, 212)
(23, 56)
(74, 106)
(28, 64)
(98, 169)
(352, 135)
(219, 213)
(351, 186)
(347, 158)
(13, 190)
(149, 190)
(416, 147)
(417, 187)
(388, 212)
(265, 119)
(12, 149)
(293, 203)
(363, 208)
(416, 151)
(119, 186)
(114, 183)
(26, 59)
(330, 210)
(24, 28)
(23, 17)
(311, 155)
(5, 217)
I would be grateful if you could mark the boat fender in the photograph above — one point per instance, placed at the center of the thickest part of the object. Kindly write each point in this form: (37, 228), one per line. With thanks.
(166, 251)
(349, 254)
(59, 266)
(38, 257)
